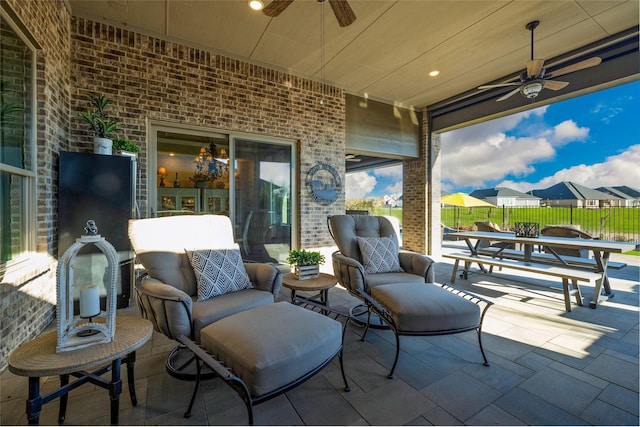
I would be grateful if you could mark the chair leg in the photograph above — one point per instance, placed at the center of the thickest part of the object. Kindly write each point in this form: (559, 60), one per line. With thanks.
(366, 327)
(195, 388)
(395, 360)
(484, 356)
(344, 377)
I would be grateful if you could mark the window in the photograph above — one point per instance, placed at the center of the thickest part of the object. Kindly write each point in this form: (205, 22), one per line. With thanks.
(17, 142)
(246, 177)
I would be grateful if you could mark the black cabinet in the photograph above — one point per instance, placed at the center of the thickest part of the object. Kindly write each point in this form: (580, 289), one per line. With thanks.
(100, 188)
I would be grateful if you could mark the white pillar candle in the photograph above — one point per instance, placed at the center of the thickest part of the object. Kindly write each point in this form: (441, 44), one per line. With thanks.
(89, 301)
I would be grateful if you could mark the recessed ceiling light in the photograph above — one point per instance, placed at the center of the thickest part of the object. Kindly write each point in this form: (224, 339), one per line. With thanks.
(434, 73)
(256, 4)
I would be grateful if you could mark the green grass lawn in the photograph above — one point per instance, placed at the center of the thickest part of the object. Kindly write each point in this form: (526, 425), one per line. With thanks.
(620, 224)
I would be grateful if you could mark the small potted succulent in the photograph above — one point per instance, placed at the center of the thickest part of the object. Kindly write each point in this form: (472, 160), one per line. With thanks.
(98, 121)
(125, 147)
(306, 264)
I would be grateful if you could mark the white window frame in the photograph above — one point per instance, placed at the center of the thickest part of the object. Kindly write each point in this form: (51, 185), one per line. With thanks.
(16, 268)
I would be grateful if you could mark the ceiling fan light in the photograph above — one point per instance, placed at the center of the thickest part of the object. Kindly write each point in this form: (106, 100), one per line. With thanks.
(531, 90)
(256, 4)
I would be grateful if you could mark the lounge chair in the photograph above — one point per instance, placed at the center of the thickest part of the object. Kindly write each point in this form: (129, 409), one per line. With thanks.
(493, 228)
(398, 286)
(571, 231)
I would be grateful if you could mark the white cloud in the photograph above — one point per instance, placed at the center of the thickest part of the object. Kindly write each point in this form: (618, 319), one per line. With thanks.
(394, 171)
(394, 189)
(472, 164)
(608, 112)
(358, 185)
(620, 169)
(483, 153)
(568, 131)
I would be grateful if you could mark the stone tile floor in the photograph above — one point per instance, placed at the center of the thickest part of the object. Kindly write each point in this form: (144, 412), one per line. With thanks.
(548, 367)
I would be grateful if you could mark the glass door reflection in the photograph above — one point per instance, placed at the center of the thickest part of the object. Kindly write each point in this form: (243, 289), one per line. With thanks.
(263, 200)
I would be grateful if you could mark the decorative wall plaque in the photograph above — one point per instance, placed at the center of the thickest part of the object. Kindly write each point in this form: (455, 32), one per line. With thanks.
(325, 183)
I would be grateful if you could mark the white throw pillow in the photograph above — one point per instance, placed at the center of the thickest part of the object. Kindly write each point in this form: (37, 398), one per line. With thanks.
(379, 254)
(218, 272)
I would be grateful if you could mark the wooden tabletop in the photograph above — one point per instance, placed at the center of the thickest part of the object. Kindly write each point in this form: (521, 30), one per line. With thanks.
(38, 357)
(565, 242)
(324, 281)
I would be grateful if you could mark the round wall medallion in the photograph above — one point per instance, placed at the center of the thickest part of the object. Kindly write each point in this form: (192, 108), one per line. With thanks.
(325, 183)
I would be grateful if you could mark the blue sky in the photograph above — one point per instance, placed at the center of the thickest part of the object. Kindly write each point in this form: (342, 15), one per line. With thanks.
(593, 140)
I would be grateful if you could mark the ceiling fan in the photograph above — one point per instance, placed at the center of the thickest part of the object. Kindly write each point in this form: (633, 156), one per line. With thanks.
(342, 10)
(534, 78)
(351, 158)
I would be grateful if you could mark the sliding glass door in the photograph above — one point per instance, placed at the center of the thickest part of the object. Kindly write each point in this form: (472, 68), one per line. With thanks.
(248, 179)
(263, 199)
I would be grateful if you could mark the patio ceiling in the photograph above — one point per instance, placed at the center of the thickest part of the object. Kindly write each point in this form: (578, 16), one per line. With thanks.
(387, 53)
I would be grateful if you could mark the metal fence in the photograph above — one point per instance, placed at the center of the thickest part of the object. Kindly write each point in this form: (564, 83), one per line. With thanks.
(612, 223)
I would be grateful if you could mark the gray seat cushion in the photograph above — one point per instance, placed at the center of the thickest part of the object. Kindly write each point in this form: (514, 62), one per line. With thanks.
(273, 345)
(426, 307)
(373, 280)
(216, 308)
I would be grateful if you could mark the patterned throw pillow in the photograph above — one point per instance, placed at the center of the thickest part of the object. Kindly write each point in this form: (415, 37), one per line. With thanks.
(218, 271)
(379, 254)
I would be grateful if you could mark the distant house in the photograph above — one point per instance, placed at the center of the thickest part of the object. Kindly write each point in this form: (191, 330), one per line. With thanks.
(572, 194)
(503, 196)
(392, 201)
(629, 197)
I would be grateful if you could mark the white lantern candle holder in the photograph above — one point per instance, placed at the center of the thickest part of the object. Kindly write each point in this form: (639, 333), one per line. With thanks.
(92, 326)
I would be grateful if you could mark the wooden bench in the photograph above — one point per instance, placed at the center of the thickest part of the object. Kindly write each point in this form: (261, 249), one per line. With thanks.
(565, 273)
(547, 258)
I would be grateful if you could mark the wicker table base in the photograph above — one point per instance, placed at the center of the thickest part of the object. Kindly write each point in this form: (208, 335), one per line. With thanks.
(38, 358)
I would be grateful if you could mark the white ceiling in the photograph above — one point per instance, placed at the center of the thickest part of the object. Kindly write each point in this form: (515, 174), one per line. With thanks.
(391, 47)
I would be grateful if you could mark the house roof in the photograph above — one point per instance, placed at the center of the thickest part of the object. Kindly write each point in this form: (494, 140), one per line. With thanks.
(571, 191)
(622, 191)
(501, 192)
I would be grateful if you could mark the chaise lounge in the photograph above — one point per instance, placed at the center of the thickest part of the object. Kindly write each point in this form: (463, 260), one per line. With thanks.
(399, 286)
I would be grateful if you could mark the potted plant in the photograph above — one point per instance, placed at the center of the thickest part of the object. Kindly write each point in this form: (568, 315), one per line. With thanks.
(98, 121)
(306, 263)
(125, 147)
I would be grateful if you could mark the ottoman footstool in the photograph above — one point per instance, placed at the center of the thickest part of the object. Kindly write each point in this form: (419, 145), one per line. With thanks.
(270, 349)
(426, 309)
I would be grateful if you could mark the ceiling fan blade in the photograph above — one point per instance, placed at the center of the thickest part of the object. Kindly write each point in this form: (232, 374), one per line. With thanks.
(587, 63)
(554, 84)
(276, 7)
(344, 13)
(534, 67)
(499, 85)
(509, 95)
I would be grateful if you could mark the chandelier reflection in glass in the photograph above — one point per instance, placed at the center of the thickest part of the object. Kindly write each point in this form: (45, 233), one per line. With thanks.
(210, 165)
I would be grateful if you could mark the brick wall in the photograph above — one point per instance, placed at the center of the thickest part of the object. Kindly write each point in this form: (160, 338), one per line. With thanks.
(151, 78)
(27, 299)
(414, 201)
(154, 79)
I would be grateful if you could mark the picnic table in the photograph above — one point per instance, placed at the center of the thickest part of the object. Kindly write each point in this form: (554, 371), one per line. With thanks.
(552, 264)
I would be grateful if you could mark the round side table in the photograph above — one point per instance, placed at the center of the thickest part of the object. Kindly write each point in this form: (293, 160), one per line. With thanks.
(322, 284)
(38, 358)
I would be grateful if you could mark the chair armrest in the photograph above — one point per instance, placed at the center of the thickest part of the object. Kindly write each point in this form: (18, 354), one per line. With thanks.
(348, 271)
(264, 277)
(415, 263)
(166, 307)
